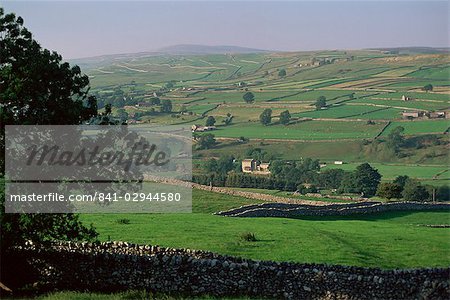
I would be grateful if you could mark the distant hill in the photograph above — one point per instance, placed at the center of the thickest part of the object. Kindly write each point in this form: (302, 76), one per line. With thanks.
(414, 50)
(202, 49)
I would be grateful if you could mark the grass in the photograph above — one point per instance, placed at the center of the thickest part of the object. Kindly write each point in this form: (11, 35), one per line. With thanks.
(419, 127)
(129, 295)
(389, 240)
(309, 130)
(345, 111)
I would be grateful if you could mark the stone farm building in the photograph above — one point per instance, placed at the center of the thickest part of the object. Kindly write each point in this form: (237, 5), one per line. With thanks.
(200, 128)
(412, 114)
(255, 167)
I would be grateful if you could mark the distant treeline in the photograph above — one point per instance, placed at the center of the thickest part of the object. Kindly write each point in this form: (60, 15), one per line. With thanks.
(306, 177)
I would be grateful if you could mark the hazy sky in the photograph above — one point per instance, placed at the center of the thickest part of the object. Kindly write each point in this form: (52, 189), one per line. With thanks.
(88, 28)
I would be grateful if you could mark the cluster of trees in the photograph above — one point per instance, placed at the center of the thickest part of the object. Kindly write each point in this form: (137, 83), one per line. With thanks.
(305, 176)
(410, 189)
(266, 117)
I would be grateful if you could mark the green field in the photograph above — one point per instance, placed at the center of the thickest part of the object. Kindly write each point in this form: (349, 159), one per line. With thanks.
(308, 130)
(390, 240)
(419, 127)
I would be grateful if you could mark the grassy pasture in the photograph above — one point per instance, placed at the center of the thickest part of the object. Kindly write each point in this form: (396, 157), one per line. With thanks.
(442, 72)
(308, 130)
(416, 96)
(414, 104)
(415, 84)
(339, 150)
(396, 72)
(390, 240)
(380, 114)
(243, 113)
(419, 127)
(340, 111)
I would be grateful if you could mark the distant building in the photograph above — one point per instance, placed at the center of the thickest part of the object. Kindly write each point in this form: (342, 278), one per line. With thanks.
(255, 167)
(143, 104)
(437, 114)
(200, 128)
(412, 114)
(406, 98)
(338, 162)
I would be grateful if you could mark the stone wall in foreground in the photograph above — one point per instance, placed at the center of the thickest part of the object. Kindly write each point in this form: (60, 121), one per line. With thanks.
(289, 210)
(118, 266)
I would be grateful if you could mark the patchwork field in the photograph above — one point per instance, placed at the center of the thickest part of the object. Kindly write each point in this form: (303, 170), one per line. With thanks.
(363, 93)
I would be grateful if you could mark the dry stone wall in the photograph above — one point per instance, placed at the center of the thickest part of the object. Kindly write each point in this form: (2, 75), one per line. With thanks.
(118, 266)
(288, 210)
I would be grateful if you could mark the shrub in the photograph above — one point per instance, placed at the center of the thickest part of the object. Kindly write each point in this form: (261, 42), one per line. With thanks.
(123, 221)
(248, 237)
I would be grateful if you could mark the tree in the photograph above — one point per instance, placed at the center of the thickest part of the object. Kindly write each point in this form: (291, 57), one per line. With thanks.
(389, 190)
(348, 183)
(228, 119)
(211, 166)
(282, 73)
(427, 87)
(248, 97)
(331, 179)
(225, 164)
(401, 180)
(395, 139)
(414, 191)
(321, 102)
(206, 141)
(210, 121)
(443, 193)
(285, 117)
(266, 116)
(367, 179)
(37, 88)
(166, 106)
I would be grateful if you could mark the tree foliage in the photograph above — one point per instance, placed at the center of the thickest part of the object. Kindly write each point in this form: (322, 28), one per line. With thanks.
(285, 117)
(206, 141)
(248, 97)
(166, 106)
(427, 87)
(210, 121)
(414, 191)
(395, 139)
(367, 179)
(321, 102)
(37, 88)
(389, 190)
(266, 117)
